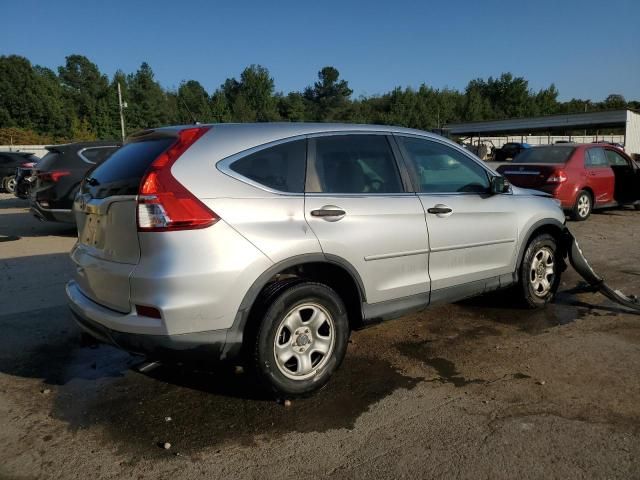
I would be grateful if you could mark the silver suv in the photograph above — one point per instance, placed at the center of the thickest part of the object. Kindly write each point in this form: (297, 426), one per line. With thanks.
(271, 242)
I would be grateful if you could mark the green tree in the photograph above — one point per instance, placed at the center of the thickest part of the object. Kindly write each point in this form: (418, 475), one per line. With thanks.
(219, 106)
(148, 105)
(546, 101)
(329, 95)
(615, 101)
(193, 103)
(293, 107)
(256, 90)
(85, 92)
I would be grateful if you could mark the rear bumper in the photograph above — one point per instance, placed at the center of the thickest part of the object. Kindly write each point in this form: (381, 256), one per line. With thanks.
(565, 192)
(98, 321)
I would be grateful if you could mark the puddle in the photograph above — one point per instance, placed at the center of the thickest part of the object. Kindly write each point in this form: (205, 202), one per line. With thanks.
(209, 409)
(446, 369)
(562, 312)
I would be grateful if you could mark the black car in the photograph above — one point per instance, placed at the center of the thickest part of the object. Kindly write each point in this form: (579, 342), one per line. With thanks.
(58, 176)
(9, 162)
(509, 151)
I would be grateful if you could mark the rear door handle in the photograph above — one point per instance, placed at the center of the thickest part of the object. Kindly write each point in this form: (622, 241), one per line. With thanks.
(330, 213)
(439, 210)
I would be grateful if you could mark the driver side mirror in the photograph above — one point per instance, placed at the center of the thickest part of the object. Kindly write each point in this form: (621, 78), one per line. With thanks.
(500, 185)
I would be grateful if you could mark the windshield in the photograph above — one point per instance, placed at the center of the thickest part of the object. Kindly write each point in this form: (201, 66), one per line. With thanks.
(544, 155)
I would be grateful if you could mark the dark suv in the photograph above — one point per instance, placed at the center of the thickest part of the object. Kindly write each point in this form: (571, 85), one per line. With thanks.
(58, 177)
(509, 151)
(9, 162)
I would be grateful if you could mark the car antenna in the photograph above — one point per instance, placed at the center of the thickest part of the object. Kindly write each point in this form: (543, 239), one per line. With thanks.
(193, 118)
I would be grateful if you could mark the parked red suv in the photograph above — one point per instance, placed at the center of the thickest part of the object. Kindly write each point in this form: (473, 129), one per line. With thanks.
(582, 177)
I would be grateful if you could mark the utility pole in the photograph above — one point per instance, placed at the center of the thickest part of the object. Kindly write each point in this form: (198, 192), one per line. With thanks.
(122, 107)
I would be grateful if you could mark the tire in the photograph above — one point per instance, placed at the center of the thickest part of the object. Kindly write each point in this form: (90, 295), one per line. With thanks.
(637, 206)
(307, 324)
(540, 272)
(583, 206)
(10, 184)
(3, 182)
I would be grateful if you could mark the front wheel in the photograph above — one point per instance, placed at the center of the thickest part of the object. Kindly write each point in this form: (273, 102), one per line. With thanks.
(540, 271)
(301, 340)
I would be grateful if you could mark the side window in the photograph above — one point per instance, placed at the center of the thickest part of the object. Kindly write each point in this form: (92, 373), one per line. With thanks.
(280, 167)
(442, 169)
(615, 159)
(595, 158)
(353, 164)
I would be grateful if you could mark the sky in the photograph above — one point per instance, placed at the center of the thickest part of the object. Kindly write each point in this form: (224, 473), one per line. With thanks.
(587, 48)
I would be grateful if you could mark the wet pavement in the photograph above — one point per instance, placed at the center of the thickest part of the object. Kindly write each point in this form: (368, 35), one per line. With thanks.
(481, 388)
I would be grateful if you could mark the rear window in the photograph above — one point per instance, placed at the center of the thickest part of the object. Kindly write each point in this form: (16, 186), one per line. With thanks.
(544, 155)
(48, 161)
(122, 172)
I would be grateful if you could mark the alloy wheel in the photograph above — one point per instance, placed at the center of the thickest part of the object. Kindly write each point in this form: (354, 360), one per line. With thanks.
(584, 205)
(541, 272)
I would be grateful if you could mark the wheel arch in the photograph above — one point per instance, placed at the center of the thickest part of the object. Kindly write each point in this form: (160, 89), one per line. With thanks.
(550, 226)
(331, 270)
(589, 190)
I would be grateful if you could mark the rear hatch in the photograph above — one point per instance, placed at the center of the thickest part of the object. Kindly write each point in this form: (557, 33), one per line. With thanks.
(533, 166)
(105, 210)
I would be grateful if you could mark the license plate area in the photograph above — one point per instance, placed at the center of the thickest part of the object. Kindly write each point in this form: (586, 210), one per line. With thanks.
(91, 231)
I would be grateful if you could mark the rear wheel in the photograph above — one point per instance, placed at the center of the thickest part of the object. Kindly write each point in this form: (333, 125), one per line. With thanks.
(301, 340)
(10, 184)
(583, 206)
(540, 272)
(637, 206)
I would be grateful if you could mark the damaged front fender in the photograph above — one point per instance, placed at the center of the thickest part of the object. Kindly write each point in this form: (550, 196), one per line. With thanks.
(581, 265)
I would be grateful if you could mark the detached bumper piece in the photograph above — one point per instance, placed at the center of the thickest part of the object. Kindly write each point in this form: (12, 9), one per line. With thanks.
(581, 265)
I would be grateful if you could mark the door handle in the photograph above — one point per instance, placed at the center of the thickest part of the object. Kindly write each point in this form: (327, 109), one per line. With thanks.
(330, 213)
(439, 210)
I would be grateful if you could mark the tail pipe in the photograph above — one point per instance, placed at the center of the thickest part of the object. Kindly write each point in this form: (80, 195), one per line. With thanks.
(581, 265)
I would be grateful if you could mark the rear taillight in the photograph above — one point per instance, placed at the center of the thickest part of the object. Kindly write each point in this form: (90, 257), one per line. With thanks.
(54, 175)
(557, 177)
(164, 203)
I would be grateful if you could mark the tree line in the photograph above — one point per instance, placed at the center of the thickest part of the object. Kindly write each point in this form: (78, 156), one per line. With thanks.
(78, 102)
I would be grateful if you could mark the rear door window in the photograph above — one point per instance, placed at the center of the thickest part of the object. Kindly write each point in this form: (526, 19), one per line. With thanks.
(595, 158)
(615, 159)
(122, 173)
(280, 167)
(353, 164)
(438, 168)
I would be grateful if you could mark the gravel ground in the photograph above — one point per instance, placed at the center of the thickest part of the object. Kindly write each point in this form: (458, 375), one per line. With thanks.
(478, 389)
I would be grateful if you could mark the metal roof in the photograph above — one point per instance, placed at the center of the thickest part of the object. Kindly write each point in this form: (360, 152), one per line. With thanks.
(609, 118)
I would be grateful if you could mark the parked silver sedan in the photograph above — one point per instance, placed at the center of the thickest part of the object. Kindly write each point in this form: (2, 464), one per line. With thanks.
(268, 243)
